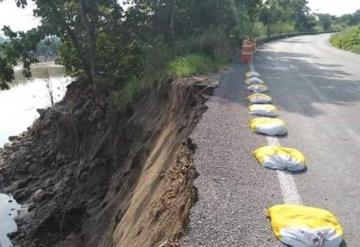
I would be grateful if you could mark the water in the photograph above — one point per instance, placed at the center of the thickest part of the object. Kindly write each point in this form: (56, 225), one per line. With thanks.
(17, 112)
(18, 105)
(9, 210)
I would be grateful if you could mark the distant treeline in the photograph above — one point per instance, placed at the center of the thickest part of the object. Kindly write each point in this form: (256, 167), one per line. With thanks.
(330, 22)
(103, 43)
(46, 50)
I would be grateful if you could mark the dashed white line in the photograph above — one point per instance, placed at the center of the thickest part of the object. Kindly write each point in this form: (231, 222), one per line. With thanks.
(287, 183)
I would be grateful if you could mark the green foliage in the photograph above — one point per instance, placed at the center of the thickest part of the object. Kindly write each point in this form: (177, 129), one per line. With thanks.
(100, 43)
(213, 42)
(153, 66)
(244, 28)
(19, 47)
(48, 48)
(333, 23)
(325, 21)
(351, 19)
(127, 94)
(282, 16)
(259, 29)
(347, 40)
(282, 27)
(304, 21)
(194, 64)
(90, 34)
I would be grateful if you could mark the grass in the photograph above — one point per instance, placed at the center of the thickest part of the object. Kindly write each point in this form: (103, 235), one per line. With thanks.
(194, 64)
(347, 40)
(127, 94)
(182, 66)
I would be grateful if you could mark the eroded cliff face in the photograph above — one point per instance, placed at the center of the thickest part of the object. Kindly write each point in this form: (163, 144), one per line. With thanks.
(93, 175)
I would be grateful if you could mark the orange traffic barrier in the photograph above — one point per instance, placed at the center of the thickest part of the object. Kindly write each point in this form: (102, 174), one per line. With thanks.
(247, 51)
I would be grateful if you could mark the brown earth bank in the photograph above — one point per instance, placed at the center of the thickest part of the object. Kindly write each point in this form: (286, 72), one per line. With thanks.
(94, 175)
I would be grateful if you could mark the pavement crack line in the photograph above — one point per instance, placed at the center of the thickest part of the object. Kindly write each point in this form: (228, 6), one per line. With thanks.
(289, 190)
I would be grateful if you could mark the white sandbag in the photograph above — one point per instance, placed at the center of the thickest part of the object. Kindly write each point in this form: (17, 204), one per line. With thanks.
(268, 126)
(280, 158)
(258, 88)
(252, 74)
(253, 80)
(263, 110)
(301, 226)
(259, 98)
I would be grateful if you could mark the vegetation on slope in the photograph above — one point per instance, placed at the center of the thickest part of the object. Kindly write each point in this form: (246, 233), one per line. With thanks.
(347, 40)
(104, 43)
(193, 64)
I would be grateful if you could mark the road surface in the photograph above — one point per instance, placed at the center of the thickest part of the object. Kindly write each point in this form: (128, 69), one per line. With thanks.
(317, 89)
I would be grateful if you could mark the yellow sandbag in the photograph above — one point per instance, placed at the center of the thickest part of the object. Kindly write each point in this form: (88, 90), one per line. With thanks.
(254, 80)
(280, 158)
(258, 88)
(252, 74)
(263, 110)
(301, 226)
(259, 98)
(268, 126)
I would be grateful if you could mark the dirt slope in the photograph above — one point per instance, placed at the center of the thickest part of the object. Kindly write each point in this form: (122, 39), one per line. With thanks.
(93, 175)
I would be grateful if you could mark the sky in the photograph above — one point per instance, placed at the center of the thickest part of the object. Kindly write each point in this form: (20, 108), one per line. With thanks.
(334, 7)
(18, 19)
(22, 19)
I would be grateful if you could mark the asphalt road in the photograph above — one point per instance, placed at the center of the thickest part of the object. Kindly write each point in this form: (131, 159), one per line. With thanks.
(317, 89)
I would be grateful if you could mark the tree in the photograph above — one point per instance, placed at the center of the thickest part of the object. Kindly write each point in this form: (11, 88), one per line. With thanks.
(325, 21)
(84, 28)
(273, 12)
(19, 47)
(355, 18)
(304, 21)
(102, 42)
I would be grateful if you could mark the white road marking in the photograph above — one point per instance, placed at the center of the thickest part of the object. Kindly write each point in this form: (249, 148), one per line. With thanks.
(288, 187)
(272, 141)
(252, 67)
(287, 183)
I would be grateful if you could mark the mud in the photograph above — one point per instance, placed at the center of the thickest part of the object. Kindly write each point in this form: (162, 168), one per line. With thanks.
(94, 175)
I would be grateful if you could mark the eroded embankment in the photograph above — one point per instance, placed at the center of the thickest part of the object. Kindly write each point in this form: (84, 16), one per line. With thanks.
(96, 176)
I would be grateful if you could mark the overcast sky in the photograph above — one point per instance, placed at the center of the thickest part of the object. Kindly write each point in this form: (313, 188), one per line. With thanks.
(17, 18)
(22, 19)
(334, 7)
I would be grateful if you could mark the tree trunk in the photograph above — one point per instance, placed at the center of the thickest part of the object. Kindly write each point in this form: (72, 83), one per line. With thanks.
(89, 25)
(172, 24)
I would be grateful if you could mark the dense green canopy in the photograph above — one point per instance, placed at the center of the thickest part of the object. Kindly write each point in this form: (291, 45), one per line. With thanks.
(100, 41)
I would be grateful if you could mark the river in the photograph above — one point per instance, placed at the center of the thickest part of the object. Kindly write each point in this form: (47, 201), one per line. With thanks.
(18, 105)
(17, 112)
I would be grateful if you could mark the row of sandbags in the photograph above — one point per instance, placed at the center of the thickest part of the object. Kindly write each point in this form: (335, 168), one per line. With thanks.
(267, 123)
(261, 106)
(294, 225)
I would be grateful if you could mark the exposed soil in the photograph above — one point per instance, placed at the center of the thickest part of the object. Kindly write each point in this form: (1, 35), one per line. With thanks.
(93, 175)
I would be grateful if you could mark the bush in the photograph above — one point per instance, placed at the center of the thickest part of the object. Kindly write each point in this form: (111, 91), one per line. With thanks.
(214, 42)
(348, 40)
(259, 30)
(127, 94)
(152, 62)
(195, 64)
(282, 27)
